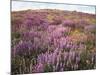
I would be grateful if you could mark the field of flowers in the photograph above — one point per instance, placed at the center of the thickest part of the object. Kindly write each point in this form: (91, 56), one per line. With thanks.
(50, 40)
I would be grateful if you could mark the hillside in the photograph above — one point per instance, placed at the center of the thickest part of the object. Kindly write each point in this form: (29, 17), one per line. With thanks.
(50, 40)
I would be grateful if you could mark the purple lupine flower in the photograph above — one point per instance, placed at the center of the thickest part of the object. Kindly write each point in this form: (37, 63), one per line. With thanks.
(65, 56)
(71, 55)
(77, 59)
(23, 48)
(62, 42)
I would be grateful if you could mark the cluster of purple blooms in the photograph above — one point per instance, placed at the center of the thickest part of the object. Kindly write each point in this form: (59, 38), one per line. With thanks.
(48, 47)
